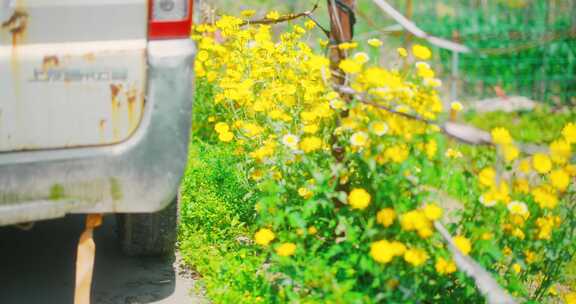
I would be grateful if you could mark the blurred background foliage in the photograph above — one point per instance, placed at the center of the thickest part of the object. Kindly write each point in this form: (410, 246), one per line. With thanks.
(524, 47)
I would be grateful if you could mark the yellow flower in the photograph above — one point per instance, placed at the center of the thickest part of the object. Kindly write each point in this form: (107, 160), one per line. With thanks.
(510, 152)
(425, 232)
(431, 148)
(402, 52)
(350, 66)
(202, 56)
(453, 153)
(570, 169)
(398, 249)
(221, 127)
(444, 266)
(463, 244)
(553, 291)
(416, 257)
(305, 193)
(570, 298)
(433, 211)
(310, 129)
(530, 256)
(264, 236)
(381, 251)
(545, 225)
(359, 198)
(569, 132)
(517, 232)
(525, 166)
(560, 151)
(375, 42)
(417, 220)
(487, 177)
(226, 136)
(290, 141)
(456, 106)
(421, 52)
(516, 268)
(544, 196)
(522, 185)
(347, 45)
(286, 249)
(256, 175)
(519, 208)
(414, 220)
(386, 217)
(397, 153)
(541, 163)
(309, 24)
(560, 179)
(337, 104)
(384, 251)
(247, 13)
(432, 82)
(273, 15)
(424, 70)
(379, 128)
(310, 144)
(501, 136)
(308, 116)
(359, 139)
(361, 57)
(312, 230)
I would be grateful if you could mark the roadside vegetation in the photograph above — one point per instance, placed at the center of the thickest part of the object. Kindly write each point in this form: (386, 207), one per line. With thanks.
(304, 189)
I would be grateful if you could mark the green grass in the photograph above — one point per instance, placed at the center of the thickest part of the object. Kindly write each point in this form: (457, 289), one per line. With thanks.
(538, 126)
(216, 208)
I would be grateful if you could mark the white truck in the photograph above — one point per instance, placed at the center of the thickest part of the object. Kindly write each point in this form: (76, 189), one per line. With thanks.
(95, 113)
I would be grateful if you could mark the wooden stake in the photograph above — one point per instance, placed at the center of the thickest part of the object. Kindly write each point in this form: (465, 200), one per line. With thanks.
(340, 31)
(85, 260)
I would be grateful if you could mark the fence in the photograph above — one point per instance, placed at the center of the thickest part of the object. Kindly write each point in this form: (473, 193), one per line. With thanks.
(525, 47)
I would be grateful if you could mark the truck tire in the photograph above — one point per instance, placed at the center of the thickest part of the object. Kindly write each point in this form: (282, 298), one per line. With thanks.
(148, 234)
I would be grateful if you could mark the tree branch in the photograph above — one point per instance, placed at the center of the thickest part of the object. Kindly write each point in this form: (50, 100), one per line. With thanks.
(493, 292)
(463, 133)
(282, 18)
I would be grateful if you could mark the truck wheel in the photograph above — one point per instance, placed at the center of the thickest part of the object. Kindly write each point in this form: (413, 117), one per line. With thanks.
(148, 234)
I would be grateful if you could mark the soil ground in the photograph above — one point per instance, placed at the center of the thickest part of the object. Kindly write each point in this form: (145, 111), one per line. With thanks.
(37, 266)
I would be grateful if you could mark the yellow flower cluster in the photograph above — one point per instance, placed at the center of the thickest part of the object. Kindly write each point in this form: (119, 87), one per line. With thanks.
(286, 249)
(359, 199)
(444, 266)
(384, 251)
(264, 236)
(420, 220)
(463, 244)
(416, 257)
(274, 102)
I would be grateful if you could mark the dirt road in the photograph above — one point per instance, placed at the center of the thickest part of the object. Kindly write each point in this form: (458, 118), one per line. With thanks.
(37, 266)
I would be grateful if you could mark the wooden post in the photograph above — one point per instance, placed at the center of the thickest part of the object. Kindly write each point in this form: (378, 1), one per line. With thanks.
(340, 31)
(409, 14)
(341, 23)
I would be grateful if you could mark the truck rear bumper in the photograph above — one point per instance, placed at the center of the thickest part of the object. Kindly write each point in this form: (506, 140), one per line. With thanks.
(141, 174)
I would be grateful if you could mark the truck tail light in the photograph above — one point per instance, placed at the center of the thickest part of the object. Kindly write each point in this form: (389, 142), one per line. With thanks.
(170, 19)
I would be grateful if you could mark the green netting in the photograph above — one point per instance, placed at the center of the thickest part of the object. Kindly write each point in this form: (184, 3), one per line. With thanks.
(526, 47)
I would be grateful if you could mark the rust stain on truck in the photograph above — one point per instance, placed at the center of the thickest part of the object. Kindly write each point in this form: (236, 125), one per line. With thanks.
(115, 90)
(16, 25)
(131, 96)
(102, 130)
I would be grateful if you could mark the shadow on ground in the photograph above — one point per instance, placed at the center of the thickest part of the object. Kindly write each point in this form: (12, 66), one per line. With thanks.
(37, 266)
